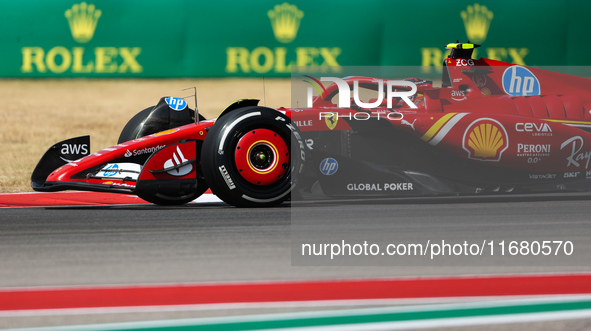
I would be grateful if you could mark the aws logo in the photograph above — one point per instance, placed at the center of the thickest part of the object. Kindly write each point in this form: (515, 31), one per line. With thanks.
(477, 21)
(285, 22)
(82, 20)
(485, 139)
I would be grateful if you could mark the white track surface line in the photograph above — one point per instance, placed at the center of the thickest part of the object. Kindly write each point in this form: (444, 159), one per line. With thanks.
(390, 325)
(412, 304)
(206, 198)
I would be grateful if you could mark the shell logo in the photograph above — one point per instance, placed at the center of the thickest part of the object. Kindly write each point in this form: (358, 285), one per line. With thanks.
(485, 140)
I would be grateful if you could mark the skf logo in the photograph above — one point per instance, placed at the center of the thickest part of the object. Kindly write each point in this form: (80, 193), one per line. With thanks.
(485, 139)
(177, 159)
(285, 23)
(477, 20)
(285, 20)
(83, 19)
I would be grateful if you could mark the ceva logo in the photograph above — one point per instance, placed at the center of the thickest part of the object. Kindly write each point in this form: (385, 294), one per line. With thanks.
(518, 80)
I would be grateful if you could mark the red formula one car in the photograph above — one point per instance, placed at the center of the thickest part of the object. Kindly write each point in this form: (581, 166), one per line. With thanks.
(492, 127)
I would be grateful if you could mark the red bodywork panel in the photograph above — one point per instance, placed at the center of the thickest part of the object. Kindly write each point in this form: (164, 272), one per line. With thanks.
(140, 146)
(478, 119)
(488, 112)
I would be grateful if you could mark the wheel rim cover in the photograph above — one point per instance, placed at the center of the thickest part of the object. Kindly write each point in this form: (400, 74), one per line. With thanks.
(261, 157)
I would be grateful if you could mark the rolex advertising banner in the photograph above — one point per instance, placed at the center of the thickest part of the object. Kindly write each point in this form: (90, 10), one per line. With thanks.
(264, 38)
(96, 39)
(107, 38)
(69, 38)
(533, 33)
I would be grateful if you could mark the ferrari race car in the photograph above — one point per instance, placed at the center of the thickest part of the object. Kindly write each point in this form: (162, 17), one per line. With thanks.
(492, 127)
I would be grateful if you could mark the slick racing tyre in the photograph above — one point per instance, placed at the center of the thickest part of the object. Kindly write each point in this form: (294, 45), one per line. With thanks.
(251, 156)
(164, 199)
(157, 186)
(132, 127)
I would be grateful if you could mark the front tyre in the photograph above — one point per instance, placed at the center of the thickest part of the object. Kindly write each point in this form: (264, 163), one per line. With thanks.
(250, 157)
(131, 129)
(155, 119)
(176, 197)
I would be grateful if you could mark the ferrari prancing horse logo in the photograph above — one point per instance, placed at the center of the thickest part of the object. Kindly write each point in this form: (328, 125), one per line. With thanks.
(331, 120)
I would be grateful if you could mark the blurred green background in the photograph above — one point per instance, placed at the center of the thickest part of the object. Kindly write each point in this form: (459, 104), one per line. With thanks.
(181, 38)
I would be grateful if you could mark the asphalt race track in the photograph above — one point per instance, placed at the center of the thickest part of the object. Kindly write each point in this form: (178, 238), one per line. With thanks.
(213, 242)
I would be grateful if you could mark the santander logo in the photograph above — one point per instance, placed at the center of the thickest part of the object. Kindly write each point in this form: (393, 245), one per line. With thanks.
(178, 158)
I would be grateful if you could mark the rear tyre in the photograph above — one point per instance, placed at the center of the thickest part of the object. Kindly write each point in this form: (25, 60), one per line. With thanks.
(251, 156)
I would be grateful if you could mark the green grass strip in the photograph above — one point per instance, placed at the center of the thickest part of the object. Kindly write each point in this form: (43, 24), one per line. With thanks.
(370, 318)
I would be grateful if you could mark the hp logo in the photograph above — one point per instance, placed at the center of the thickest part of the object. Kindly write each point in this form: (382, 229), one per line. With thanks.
(176, 103)
(518, 80)
(111, 173)
(329, 166)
